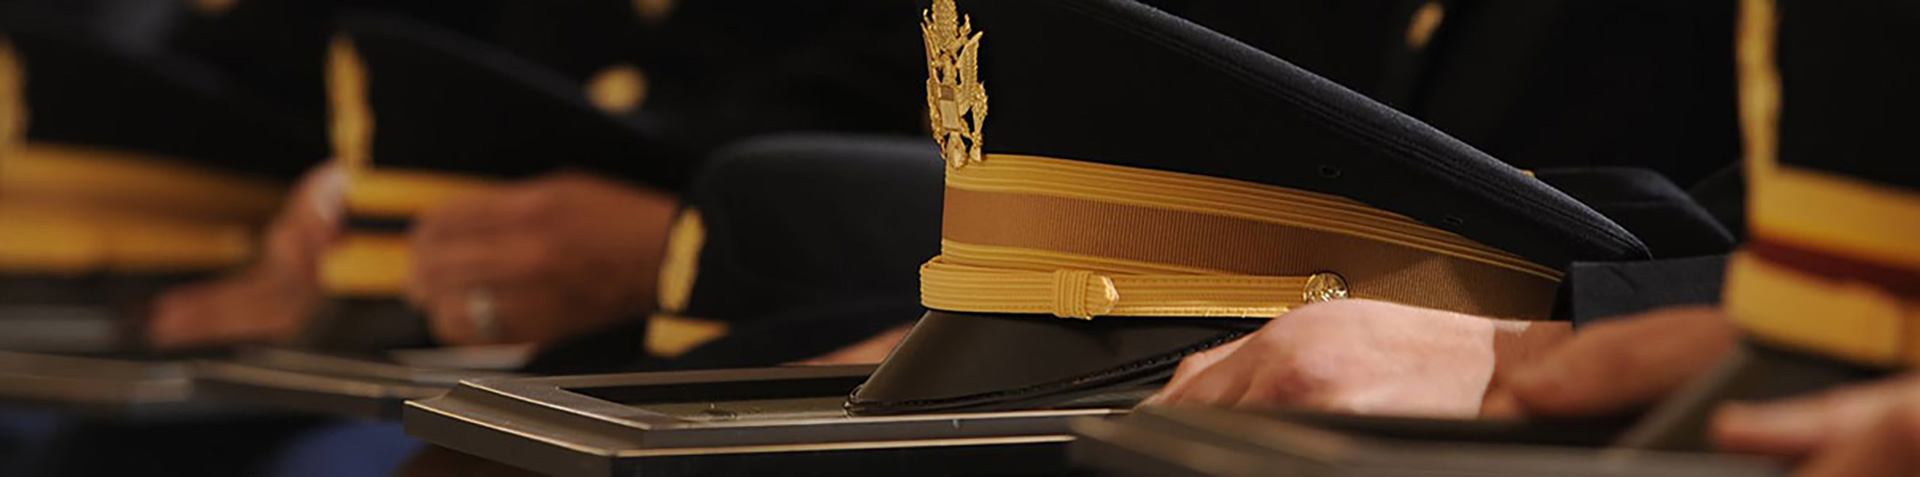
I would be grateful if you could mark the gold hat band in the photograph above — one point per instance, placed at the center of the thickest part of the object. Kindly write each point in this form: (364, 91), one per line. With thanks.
(1014, 174)
(1037, 235)
(401, 193)
(43, 240)
(147, 181)
(366, 265)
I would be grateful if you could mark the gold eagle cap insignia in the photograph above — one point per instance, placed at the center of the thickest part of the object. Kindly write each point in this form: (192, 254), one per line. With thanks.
(956, 101)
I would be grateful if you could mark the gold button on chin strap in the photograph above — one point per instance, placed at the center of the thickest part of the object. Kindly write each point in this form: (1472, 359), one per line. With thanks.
(1324, 286)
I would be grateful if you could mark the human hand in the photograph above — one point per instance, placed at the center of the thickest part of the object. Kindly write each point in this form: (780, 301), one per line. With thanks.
(556, 256)
(271, 299)
(869, 351)
(1357, 356)
(1866, 430)
(1616, 366)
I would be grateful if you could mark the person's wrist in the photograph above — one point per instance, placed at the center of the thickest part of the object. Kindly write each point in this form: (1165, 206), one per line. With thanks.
(1517, 344)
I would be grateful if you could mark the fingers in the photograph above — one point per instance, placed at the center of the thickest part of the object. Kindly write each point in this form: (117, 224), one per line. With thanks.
(516, 271)
(464, 241)
(474, 239)
(452, 266)
(1623, 364)
(868, 351)
(1221, 377)
(491, 240)
(459, 219)
(1355, 356)
(456, 265)
(453, 318)
(1799, 426)
(446, 279)
(1285, 383)
(527, 206)
(545, 249)
(1191, 367)
(244, 307)
(1256, 375)
(447, 319)
(175, 323)
(1223, 383)
(1500, 404)
(1890, 447)
(323, 190)
(310, 222)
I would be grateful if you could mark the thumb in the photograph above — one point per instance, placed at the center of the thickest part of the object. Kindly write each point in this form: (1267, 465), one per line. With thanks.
(1623, 364)
(325, 191)
(1192, 366)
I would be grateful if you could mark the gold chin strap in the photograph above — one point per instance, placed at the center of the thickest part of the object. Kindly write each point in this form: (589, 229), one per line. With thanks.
(1035, 235)
(1075, 292)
